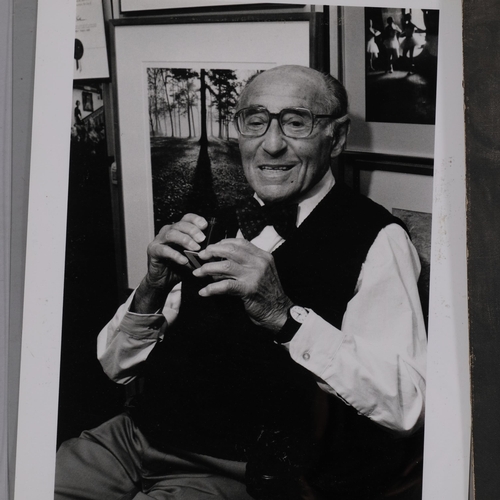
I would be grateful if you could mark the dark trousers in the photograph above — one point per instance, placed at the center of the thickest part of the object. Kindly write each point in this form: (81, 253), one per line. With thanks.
(115, 462)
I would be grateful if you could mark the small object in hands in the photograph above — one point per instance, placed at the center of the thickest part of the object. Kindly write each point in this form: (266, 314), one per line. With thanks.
(214, 233)
(78, 52)
(194, 261)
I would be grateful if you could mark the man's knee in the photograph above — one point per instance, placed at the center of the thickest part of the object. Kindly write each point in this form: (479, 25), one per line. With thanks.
(105, 459)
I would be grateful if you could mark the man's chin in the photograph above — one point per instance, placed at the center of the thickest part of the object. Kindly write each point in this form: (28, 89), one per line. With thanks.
(273, 196)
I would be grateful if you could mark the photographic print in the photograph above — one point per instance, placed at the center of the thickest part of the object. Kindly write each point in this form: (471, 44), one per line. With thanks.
(91, 58)
(163, 143)
(195, 161)
(88, 104)
(401, 64)
(243, 46)
(175, 131)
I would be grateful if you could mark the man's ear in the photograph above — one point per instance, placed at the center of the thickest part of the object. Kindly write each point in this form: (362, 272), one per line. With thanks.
(342, 126)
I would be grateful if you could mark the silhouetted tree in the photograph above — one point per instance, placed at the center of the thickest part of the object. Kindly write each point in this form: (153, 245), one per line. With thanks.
(224, 88)
(203, 104)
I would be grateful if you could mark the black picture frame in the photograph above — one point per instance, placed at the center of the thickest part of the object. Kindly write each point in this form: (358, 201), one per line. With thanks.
(358, 161)
(87, 103)
(141, 7)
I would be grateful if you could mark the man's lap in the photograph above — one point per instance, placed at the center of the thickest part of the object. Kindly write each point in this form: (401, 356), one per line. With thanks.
(114, 461)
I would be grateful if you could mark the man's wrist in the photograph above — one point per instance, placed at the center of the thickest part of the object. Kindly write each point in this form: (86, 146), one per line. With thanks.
(296, 316)
(148, 299)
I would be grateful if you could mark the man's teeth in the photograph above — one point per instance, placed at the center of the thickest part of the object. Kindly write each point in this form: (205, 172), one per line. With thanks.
(276, 167)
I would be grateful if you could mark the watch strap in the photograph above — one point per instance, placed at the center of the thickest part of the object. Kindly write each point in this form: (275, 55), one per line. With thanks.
(288, 330)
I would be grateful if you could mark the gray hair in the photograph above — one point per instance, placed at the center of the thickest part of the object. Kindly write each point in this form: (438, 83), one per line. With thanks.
(335, 99)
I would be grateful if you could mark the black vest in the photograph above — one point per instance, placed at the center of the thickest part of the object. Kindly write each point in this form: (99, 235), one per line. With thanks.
(217, 379)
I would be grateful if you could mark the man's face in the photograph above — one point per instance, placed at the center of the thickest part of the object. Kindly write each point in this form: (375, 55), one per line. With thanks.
(277, 167)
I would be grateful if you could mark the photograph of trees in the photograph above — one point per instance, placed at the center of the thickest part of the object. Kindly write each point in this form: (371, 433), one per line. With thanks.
(194, 150)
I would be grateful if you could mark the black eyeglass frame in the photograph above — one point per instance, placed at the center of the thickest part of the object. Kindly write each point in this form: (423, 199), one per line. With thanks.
(278, 117)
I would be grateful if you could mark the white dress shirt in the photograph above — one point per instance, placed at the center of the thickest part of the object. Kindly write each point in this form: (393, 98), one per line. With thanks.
(375, 362)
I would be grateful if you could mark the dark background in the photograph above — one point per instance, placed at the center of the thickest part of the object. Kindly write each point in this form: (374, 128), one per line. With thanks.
(87, 397)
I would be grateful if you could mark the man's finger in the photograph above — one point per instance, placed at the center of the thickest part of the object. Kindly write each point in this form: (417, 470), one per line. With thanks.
(225, 287)
(224, 268)
(235, 249)
(183, 239)
(191, 229)
(165, 252)
(197, 220)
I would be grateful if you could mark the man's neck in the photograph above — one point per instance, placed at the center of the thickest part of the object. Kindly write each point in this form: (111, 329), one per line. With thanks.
(308, 201)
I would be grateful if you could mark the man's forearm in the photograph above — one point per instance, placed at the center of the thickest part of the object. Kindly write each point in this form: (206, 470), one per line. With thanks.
(376, 363)
(126, 341)
(149, 298)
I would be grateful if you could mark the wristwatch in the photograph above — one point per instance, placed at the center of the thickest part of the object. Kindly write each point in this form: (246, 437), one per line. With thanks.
(296, 317)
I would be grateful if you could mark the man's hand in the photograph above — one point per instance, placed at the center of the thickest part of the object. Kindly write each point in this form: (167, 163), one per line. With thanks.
(250, 273)
(165, 260)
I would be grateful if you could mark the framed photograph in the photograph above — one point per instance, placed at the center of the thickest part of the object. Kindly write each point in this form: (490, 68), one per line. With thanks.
(401, 65)
(90, 53)
(395, 181)
(88, 104)
(389, 155)
(157, 82)
(134, 6)
(392, 112)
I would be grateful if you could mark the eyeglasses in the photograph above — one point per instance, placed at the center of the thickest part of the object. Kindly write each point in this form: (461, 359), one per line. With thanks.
(294, 122)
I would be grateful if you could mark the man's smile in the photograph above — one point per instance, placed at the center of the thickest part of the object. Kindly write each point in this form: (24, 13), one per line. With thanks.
(277, 166)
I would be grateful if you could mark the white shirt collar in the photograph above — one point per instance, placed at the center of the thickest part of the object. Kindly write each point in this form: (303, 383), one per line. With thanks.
(312, 198)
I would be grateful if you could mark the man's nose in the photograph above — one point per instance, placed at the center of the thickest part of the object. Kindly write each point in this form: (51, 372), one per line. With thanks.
(274, 141)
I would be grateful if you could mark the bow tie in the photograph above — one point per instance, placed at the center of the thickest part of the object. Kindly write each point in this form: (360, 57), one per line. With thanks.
(253, 218)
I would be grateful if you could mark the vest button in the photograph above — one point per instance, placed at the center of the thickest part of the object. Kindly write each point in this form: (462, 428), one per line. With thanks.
(306, 356)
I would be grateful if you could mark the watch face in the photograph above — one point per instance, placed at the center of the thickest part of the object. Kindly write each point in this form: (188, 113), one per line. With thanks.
(298, 313)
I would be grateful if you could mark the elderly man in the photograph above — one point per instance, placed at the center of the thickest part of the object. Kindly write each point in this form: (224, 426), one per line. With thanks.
(290, 363)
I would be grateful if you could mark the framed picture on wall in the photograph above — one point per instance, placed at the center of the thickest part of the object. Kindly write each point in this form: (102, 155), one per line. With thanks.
(401, 66)
(129, 6)
(158, 82)
(389, 62)
(362, 164)
(389, 154)
(88, 104)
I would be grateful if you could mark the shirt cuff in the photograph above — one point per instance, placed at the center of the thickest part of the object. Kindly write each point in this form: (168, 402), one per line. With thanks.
(142, 326)
(155, 321)
(315, 344)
